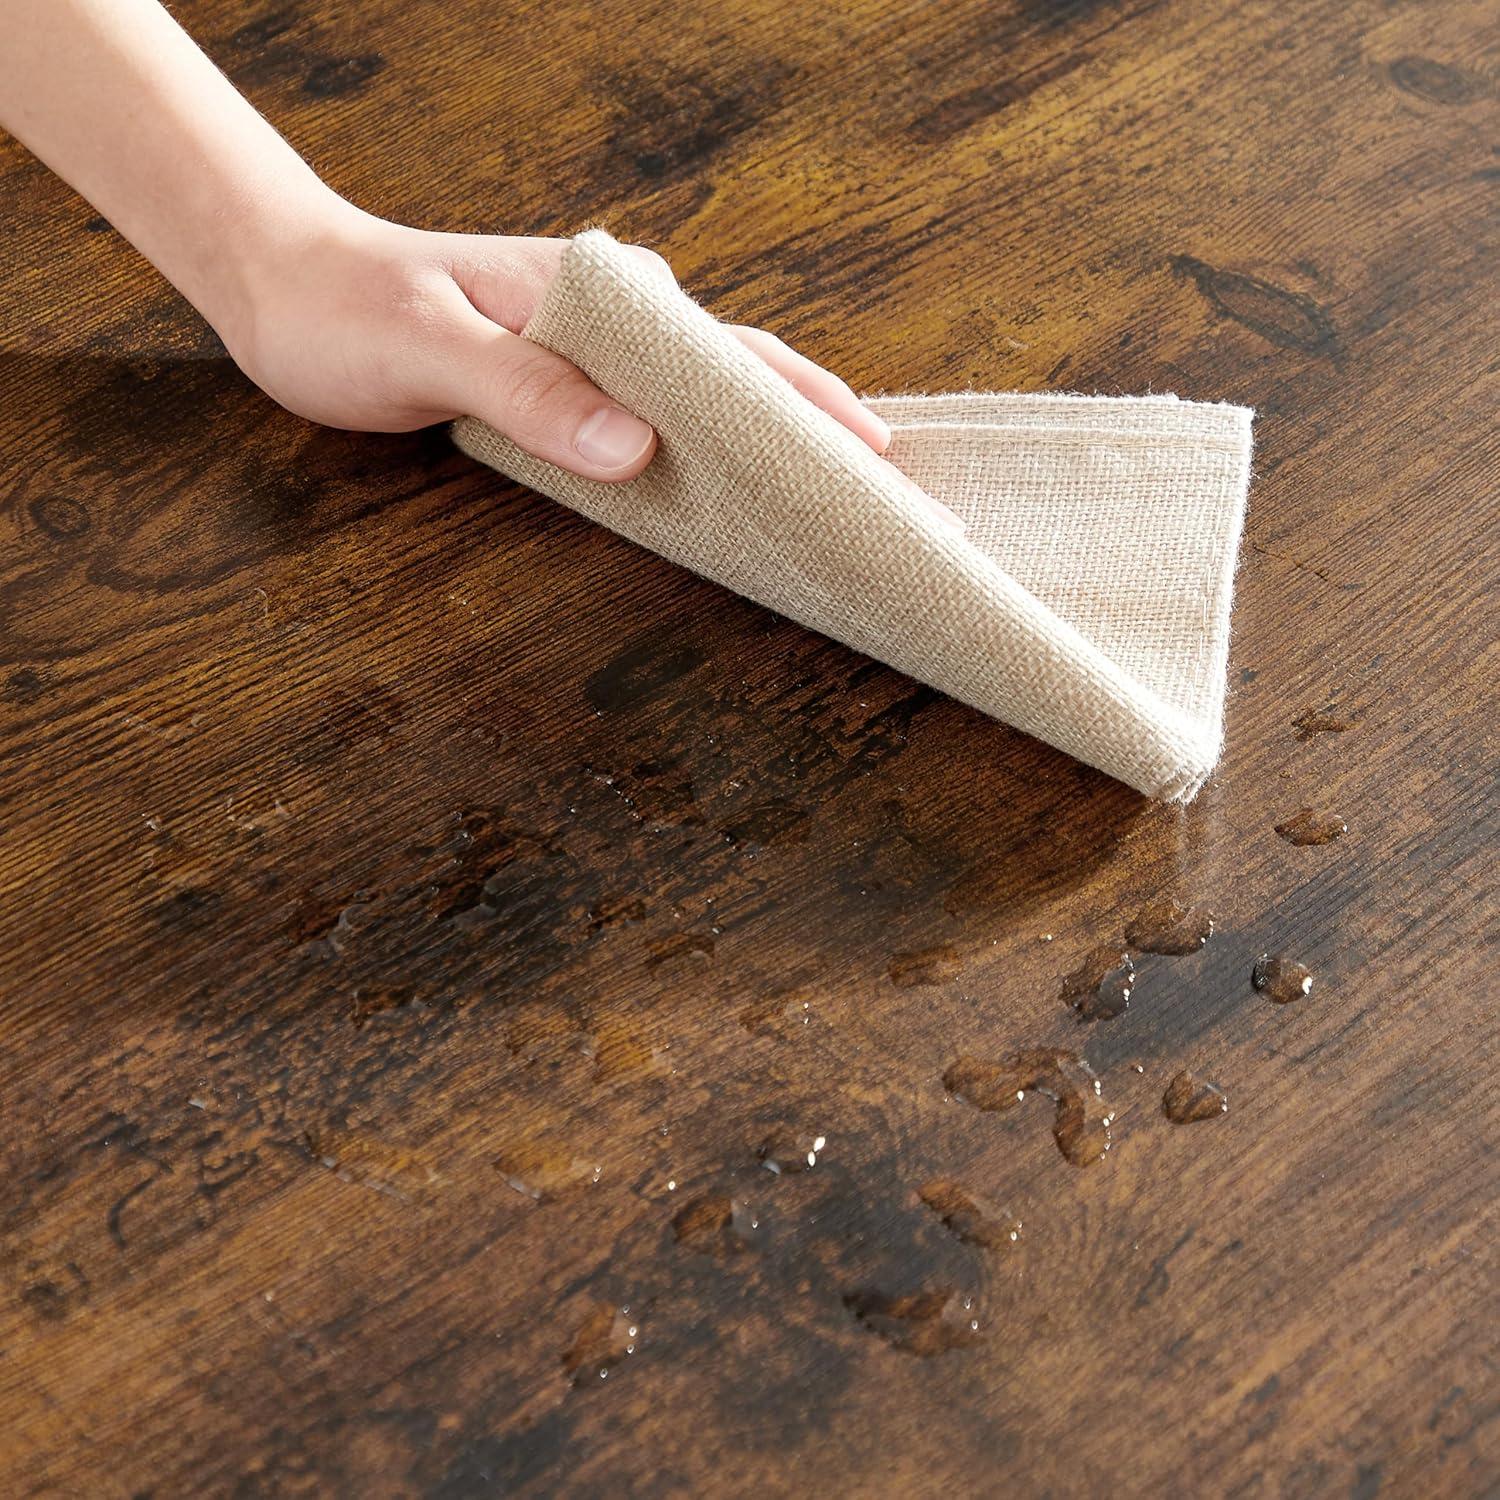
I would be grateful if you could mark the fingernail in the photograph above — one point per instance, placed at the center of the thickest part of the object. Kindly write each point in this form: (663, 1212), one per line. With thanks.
(879, 430)
(612, 439)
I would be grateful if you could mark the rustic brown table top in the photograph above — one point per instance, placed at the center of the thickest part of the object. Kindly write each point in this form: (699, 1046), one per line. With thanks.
(428, 920)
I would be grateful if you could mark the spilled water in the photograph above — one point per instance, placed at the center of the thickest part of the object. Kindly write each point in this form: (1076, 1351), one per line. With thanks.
(1308, 826)
(923, 1323)
(1187, 1100)
(606, 1337)
(544, 1172)
(716, 1224)
(780, 1016)
(1099, 989)
(1320, 721)
(1280, 979)
(791, 1150)
(924, 966)
(1168, 927)
(971, 1217)
(1081, 1123)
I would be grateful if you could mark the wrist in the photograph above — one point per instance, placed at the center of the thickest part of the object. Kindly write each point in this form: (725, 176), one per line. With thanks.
(256, 248)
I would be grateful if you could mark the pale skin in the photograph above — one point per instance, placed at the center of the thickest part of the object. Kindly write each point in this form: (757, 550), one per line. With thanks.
(344, 318)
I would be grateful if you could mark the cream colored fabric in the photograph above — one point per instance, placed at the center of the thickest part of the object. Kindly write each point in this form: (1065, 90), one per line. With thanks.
(1088, 601)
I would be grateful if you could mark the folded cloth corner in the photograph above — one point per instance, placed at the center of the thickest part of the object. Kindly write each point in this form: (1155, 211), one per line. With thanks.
(1087, 603)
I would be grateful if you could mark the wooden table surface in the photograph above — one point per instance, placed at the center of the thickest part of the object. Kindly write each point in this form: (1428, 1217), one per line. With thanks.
(437, 936)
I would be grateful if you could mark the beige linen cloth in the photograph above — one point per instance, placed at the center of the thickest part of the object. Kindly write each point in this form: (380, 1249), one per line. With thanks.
(1088, 601)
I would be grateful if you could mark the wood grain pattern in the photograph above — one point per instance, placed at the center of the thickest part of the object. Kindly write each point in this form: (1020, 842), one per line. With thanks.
(436, 936)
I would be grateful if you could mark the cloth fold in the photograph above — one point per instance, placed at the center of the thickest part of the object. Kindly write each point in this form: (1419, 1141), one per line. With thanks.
(1086, 604)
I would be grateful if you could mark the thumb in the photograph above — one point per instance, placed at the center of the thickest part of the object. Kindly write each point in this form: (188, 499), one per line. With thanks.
(542, 403)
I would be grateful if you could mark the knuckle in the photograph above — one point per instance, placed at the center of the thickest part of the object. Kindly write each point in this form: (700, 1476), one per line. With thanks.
(507, 285)
(657, 263)
(411, 319)
(407, 294)
(766, 344)
(531, 387)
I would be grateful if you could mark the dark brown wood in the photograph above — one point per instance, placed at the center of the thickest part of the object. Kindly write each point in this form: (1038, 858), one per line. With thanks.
(476, 1000)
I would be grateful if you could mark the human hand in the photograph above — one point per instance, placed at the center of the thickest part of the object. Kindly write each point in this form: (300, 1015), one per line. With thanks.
(374, 326)
(342, 317)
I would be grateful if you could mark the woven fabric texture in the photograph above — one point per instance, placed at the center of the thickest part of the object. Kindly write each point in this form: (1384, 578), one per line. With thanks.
(1086, 604)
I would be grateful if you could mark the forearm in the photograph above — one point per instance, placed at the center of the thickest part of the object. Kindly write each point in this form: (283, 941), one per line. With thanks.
(118, 100)
(342, 317)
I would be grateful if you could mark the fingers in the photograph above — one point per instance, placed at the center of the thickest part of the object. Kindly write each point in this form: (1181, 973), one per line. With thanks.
(657, 265)
(551, 409)
(820, 386)
(505, 276)
(542, 403)
(830, 393)
(536, 398)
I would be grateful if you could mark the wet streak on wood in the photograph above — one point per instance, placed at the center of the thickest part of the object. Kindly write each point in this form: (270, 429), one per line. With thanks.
(436, 935)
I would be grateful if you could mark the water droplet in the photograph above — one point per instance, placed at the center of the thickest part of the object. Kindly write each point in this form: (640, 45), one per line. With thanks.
(922, 1323)
(621, 1049)
(970, 1216)
(716, 1224)
(924, 966)
(1187, 1100)
(701, 1224)
(609, 913)
(353, 919)
(1081, 1126)
(1168, 927)
(604, 1338)
(1308, 826)
(1280, 979)
(542, 1171)
(694, 945)
(789, 1150)
(780, 1016)
(1320, 721)
(1099, 989)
